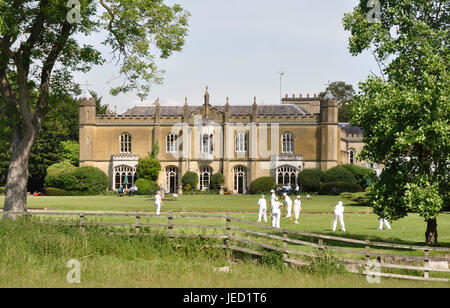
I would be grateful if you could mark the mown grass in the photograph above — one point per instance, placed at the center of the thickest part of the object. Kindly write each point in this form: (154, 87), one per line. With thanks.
(35, 255)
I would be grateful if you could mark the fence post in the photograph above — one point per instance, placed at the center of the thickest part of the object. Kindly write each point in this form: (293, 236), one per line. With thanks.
(285, 245)
(138, 223)
(82, 221)
(426, 264)
(367, 247)
(320, 244)
(228, 234)
(170, 225)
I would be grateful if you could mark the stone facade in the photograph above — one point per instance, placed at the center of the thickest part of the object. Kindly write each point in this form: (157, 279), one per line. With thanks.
(242, 142)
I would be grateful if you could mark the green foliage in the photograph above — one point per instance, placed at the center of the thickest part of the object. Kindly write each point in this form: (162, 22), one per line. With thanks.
(77, 181)
(344, 94)
(336, 188)
(70, 151)
(273, 258)
(189, 178)
(52, 191)
(325, 263)
(217, 180)
(148, 168)
(310, 180)
(155, 150)
(2, 190)
(262, 184)
(339, 173)
(146, 187)
(404, 113)
(361, 174)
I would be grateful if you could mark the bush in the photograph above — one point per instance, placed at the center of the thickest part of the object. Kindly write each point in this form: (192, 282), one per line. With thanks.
(64, 180)
(146, 187)
(262, 184)
(336, 188)
(148, 168)
(189, 178)
(2, 190)
(90, 181)
(309, 180)
(53, 191)
(360, 173)
(55, 170)
(217, 180)
(339, 174)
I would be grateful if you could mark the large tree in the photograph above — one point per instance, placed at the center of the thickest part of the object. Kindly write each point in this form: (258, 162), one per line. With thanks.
(405, 112)
(41, 46)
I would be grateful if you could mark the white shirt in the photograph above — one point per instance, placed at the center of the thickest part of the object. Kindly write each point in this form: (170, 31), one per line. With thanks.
(158, 199)
(339, 210)
(288, 201)
(262, 203)
(276, 207)
(297, 204)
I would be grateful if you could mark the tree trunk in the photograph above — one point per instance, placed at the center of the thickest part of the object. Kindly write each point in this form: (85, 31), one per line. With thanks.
(431, 234)
(16, 182)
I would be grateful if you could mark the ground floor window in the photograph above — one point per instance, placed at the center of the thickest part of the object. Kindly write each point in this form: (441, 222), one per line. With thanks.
(172, 180)
(124, 176)
(240, 179)
(287, 175)
(205, 177)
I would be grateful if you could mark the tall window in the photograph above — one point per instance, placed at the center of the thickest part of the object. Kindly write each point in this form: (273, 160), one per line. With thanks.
(287, 175)
(241, 142)
(207, 144)
(172, 143)
(240, 179)
(171, 179)
(288, 143)
(125, 143)
(124, 176)
(205, 177)
(351, 157)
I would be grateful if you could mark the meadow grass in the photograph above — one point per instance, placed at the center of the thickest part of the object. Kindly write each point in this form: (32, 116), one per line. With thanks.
(35, 255)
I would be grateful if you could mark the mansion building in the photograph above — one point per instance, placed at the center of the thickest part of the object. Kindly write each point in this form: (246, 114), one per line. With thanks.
(244, 142)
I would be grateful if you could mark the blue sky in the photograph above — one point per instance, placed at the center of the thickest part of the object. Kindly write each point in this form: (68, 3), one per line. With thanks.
(238, 47)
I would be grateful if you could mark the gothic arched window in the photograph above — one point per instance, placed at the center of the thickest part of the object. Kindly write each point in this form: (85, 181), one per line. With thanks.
(172, 143)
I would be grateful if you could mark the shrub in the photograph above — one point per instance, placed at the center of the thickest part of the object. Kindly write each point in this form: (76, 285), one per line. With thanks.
(146, 187)
(2, 190)
(273, 259)
(53, 191)
(262, 184)
(339, 174)
(309, 180)
(55, 170)
(190, 178)
(90, 181)
(360, 173)
(217, 180)
(148, 168)
(336, 188)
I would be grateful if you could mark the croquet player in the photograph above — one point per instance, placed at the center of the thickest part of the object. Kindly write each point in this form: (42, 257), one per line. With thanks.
(339, 213)
(297, 208)
(276, 213)
(262, 209)
(288, 202)
(158, 202)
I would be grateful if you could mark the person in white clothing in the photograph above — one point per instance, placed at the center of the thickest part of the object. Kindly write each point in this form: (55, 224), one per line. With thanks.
(288, 202)
(386, 222)
(272, 198)
(276, 213)
(339, 213)
(262, 209)
(158, 202)
(297, 208)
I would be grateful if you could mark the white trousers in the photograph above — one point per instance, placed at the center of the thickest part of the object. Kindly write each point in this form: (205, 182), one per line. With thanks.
(158, 208)
(383, 220)
(262, 213)
(276, 217)
(341, 221)
(289, 210)
(297, 213)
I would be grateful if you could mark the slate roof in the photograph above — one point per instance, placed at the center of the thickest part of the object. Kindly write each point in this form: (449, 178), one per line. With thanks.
(350, 129)
(263, 110)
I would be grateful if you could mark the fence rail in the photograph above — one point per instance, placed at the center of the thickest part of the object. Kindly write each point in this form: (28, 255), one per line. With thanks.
(317, 240)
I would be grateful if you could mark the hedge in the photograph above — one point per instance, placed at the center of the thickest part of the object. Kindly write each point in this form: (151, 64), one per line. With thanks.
(339, 174)
(262, 184)
(53, 191)
(146, 187)
(56, 170)
(217, 179)
(360, 173)
(336, 188)
(309, 180)
(190, 178)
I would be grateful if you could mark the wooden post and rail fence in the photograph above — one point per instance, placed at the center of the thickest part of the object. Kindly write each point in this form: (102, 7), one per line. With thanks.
(317, 241)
